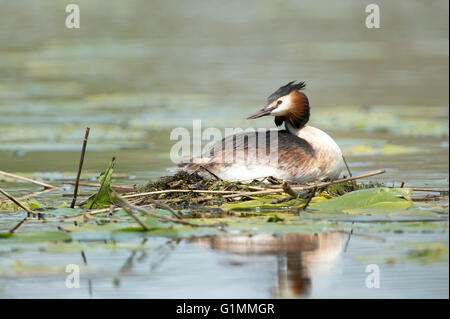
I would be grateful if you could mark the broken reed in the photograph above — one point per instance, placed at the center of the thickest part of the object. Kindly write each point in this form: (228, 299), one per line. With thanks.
(80, 166)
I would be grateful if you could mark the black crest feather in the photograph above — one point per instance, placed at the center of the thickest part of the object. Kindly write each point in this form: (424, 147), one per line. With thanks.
(285, 90)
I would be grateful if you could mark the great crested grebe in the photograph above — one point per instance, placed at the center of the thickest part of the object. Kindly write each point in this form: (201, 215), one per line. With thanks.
(302, 153)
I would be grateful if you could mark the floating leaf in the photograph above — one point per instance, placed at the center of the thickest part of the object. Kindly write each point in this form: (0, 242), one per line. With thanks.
(374, 204)
(374, 198)
(384, 149)
(34, 237)
(22, 269)
(62, 211)
(260, 202)
(422, 253)
(404, 227)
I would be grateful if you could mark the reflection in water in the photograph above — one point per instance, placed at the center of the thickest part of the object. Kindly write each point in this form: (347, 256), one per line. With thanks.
(162, 253)
(299, 256)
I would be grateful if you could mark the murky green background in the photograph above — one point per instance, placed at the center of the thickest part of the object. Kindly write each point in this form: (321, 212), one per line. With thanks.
(137, 69)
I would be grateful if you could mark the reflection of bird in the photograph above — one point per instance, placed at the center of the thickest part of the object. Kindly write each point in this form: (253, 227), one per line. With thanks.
(299, 256)
(299, 153)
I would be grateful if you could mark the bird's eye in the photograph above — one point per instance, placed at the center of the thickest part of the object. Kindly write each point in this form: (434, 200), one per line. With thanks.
(279, 102)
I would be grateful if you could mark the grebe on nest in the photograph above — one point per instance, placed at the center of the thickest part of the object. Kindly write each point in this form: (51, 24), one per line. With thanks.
(302, 153)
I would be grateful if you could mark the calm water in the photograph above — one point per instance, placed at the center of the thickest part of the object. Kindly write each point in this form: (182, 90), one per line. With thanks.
(135, 70)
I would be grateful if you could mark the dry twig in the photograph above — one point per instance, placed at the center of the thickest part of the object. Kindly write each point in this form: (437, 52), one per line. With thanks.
(122, 202)
(15, 201)
(274, 191)
(28, 180)
(313, 191)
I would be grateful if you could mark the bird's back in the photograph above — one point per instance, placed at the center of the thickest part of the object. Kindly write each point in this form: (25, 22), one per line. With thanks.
(249, 155)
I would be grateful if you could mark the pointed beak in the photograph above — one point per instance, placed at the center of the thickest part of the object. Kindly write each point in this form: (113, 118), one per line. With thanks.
(263, 112)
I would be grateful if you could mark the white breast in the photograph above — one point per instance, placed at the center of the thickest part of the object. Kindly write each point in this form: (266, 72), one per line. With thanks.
(328, 154)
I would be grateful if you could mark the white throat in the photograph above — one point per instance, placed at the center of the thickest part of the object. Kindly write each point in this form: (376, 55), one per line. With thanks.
(293, 130)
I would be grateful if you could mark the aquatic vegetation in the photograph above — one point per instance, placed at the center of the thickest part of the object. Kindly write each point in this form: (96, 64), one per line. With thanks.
(420, 253)
(383, 149)
(186, 205)
(102, 197)
(183, 206)
(408, 121)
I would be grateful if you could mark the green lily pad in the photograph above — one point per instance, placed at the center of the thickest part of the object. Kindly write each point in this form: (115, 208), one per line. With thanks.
(374, 198)
(34, 237)
(269, 202)
(374, 204)
(404, 253)
(62, 211)
(404, 227)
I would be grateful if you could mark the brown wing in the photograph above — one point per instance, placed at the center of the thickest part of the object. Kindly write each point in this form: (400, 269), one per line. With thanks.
(279, 148)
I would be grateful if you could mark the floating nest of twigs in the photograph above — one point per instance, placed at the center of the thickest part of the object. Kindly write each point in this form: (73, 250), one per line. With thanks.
(187, 190)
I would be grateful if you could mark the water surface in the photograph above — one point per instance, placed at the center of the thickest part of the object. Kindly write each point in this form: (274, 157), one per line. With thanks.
(137, 69)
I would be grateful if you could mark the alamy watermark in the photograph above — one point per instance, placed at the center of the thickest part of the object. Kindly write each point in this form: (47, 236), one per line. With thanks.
(373, 279)
(73, 19)
(373, 19)
(73, 278)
